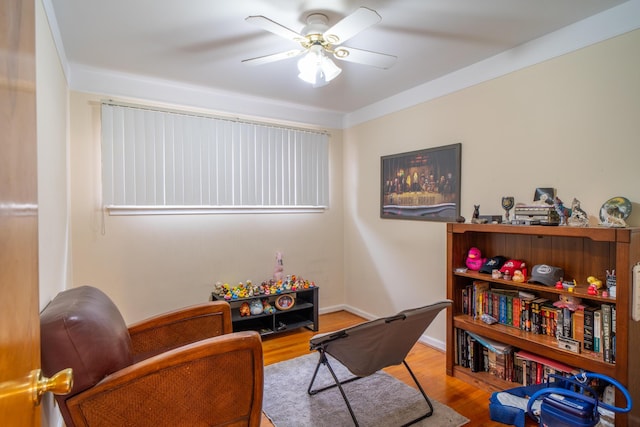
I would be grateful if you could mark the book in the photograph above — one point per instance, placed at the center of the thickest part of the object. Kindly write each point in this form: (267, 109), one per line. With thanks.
(548, 313)
(597, 330)
(516, 315)
(560, 322)
(480, 288)
(465, 300)
(536, 314)
(613, 333)
(492, 345)
(544, 361)
(606, 333)
(587, 341)
(577, 324)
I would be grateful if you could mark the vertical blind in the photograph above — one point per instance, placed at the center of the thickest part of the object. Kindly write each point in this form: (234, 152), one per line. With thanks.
(169, 159)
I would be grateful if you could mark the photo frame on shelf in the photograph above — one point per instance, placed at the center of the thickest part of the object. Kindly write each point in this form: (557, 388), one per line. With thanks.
(285, 302)
(421, 185)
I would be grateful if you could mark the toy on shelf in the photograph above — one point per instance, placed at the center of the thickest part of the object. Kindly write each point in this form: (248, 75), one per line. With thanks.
(518, 276)
(278, 270)
(563, 212)
(267, 287)
(570, 302)
(474, 259)
(256, 307)
(245, 310)
(510, 267)
(578, 217)
(267, 308)
(594, 285)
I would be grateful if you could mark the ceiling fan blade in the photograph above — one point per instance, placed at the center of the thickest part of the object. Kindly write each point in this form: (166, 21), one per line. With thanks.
(273, 57)
(275, 28)
(351, 25)
(366, 57)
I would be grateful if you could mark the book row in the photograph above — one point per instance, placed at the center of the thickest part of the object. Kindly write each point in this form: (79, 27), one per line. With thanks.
(520, 367)
(508, 363)
(591, 328)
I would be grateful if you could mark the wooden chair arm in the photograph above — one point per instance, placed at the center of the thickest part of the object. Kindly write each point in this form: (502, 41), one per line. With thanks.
(177, 328)
(217, 381)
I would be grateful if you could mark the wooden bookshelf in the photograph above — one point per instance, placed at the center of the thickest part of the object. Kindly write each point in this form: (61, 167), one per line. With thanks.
(581, 252)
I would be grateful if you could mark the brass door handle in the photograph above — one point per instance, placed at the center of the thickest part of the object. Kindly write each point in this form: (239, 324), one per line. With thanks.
(35, 385)
(60, 383)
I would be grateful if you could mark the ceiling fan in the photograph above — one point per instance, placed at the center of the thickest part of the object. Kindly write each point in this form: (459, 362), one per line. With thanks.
(317, 40)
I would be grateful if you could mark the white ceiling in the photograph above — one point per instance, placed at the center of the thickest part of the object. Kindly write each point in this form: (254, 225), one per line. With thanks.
(201, 43)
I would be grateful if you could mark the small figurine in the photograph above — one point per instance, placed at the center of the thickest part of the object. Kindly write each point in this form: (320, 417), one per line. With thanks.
(518, 276)
(474, 259)
(475, 217)
(594, 285)
(507, 205)
(611, 278)
(278, 270)
(563, 212)
(578, 217)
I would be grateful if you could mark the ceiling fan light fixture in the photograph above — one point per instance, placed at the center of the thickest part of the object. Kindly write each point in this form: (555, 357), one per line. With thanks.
(316, 68)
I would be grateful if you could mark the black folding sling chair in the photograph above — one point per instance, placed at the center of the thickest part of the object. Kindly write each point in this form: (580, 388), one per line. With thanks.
(370, 346)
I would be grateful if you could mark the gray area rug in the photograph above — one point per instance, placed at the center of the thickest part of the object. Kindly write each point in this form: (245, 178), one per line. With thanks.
(379, 400)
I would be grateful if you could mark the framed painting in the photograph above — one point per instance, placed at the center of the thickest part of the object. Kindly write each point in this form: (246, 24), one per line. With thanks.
(421, 185)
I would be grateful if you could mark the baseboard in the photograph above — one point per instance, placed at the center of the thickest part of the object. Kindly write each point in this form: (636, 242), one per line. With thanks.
(424, 339)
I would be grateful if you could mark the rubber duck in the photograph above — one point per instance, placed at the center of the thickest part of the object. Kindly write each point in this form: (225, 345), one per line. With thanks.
(518, 276)
(474, 259)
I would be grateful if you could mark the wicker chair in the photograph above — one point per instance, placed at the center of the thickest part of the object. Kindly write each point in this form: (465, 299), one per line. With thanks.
(183, 368)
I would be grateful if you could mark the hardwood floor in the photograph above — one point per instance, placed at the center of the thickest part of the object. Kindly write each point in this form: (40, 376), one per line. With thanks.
(428, 364)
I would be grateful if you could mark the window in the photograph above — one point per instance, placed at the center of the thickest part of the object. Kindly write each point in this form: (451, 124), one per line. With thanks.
(171, 162)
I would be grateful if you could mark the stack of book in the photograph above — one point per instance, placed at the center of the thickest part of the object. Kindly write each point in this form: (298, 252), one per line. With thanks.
(483, 354)
(536, 214)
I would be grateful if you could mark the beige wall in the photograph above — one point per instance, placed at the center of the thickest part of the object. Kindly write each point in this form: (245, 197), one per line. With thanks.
(53, 194)
(572, 123)
(149, 264)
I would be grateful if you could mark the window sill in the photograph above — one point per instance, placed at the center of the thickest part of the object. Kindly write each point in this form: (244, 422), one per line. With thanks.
(209, 210)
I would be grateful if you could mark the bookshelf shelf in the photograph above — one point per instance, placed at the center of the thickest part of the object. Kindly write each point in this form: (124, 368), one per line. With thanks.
(581, 252)
(580, 290)
(587, 360)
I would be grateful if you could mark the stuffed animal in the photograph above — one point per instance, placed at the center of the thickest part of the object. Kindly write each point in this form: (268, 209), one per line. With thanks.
(474, 259)
(566, 301)
(245, 310)
(256, 307)
(266, 307)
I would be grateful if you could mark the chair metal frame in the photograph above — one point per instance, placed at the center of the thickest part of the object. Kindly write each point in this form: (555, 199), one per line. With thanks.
(325, 343)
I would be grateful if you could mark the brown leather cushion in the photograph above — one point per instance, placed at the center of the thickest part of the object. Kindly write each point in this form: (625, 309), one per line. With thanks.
(82, 329)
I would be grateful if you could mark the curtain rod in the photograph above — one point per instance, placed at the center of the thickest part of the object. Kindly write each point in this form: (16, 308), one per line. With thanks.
(210, 116)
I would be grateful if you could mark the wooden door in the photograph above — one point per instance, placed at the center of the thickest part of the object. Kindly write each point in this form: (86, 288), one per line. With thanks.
(19, 321)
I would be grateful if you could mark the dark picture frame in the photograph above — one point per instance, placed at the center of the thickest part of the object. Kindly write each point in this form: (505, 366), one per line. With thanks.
(421, 185)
